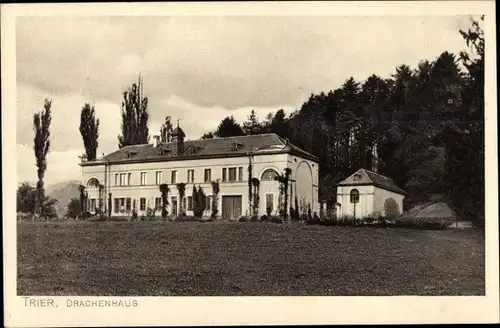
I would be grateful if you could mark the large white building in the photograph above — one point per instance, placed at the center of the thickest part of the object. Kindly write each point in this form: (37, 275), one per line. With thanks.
(134, 173)
(368, 194)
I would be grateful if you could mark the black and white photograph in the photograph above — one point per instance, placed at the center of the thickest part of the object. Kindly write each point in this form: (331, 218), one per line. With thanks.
(271, 155)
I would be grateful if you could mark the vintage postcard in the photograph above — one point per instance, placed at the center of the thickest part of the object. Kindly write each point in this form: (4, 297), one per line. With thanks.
(243, 163)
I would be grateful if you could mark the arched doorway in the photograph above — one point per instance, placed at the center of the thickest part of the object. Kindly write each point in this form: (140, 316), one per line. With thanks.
(94, 195)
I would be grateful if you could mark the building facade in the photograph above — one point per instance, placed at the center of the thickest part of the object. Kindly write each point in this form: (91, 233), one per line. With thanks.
(133, 174)
(368, 194)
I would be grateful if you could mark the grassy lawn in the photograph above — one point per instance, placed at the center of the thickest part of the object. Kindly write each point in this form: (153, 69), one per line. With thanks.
(222, 258)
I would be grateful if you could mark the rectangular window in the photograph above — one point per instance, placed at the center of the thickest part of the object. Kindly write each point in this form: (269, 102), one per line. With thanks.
(269, 202)
(232, 174)
(157, 202)
(240, 174)
(174, 206)
(208, 206)
(208, 175)
(123, 176)
(128, 205)
(143, 204)
(117, 204)
(159, 177)
(190, 203)
(174, 177)
(190, 176)
(116, 179)
(143, 178)
(92, 205)
(224, 174)
(129, 177)
(122, 204)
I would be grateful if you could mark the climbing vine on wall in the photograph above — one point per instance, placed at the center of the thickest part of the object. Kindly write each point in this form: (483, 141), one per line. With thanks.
(250, 177)
(256, 196)
(181, 187)
(164, 199)
(283, 180)
(215, 198)
(109, 205)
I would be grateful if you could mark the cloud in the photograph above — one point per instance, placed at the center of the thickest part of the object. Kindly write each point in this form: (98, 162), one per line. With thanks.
(65, 118)
(231, 62)
(61, 165)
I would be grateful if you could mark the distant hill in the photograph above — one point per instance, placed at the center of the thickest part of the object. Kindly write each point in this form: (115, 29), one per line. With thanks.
(63, 192)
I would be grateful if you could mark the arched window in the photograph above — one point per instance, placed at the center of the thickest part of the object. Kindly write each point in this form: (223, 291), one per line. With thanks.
(269, 175)
(93, 182)
(355, 196)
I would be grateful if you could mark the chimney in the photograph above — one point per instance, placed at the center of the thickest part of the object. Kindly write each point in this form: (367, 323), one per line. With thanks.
(156, 141)
(178, 141)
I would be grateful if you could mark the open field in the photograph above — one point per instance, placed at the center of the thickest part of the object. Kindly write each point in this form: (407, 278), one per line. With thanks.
(231, 258)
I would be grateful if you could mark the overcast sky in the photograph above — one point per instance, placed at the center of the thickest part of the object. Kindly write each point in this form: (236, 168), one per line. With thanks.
(199, 69)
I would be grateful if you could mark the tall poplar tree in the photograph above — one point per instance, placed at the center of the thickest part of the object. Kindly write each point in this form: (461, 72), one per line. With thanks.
(89, 129)
(41, 127)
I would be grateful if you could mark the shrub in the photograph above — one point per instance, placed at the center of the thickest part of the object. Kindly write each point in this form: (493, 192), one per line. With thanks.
(98, 218)
(186, 218)
(422, 223)
(243, 219)
(327, 222)
(264, 218)
(149, 212)
(369, 219)
(391, 208)
(254, 218)
(73, 208)
(303, 217)
(201, 202)
(85, 215)
(275, 219)
(269, 211)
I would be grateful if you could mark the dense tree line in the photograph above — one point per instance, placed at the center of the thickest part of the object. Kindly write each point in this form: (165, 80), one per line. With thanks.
(423, 127)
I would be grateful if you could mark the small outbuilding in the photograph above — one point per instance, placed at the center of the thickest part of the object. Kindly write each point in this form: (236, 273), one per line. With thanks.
(368, 194)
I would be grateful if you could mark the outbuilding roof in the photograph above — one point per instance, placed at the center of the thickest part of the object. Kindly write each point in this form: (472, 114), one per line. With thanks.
(366, 177)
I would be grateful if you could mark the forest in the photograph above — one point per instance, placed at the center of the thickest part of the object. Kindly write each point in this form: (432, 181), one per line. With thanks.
(422, 127)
